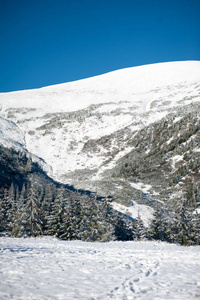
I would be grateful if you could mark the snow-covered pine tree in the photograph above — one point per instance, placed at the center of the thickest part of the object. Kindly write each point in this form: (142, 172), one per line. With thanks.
(12, 196)
(28, 166)
(196, 227)
(4, 212)
(56, 213)
(106, 220)
(139, 230)
(158, 228)
(185, 228)
(46, 202)
(33, 222)
(18, 228)
(88, 220)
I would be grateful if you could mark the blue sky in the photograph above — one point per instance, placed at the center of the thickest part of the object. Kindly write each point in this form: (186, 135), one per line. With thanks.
(45, 42)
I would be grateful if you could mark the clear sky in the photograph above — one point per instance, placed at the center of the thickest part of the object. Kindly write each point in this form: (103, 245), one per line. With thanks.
(45, 42)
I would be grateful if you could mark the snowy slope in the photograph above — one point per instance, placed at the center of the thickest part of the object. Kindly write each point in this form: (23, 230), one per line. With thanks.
(10, 135)
(52, 269)
(129, 84)
(81, 129)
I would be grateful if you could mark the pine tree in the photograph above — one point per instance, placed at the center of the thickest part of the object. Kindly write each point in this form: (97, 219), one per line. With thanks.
(28, 166)
(4, 212)
(12, 196)
(88, 219)
(75, 216)
(56, 214)
(18, 228)
(139, 229)
(33, 213)
(46, 203)
(196, 228)
(185, 228)
(70, 227)
(67, 229)
(123, 228)
(159, 228)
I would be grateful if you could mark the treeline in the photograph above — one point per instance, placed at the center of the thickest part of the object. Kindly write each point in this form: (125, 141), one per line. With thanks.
(61, 213)
(67, 215)
(32, 204)
(179, 224)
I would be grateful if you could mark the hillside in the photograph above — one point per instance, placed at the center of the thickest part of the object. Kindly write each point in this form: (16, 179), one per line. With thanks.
(132, 134)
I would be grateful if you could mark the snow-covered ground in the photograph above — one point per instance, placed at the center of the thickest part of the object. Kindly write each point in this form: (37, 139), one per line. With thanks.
(135, 210)
(52, 269)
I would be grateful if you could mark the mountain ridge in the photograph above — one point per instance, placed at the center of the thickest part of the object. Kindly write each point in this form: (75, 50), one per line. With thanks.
(159, 66)
(145, 77)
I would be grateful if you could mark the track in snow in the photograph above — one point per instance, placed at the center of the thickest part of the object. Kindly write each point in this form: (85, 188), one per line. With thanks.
(52, 269)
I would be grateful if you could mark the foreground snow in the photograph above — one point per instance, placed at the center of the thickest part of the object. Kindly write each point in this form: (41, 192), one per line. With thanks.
(52, 269)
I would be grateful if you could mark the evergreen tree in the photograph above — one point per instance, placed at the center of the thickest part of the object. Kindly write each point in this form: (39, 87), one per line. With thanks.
(196, 228)
(159, 228)
(184, 225)
(18, 228)
(46, 202)
(12, 196)
(88, 219)
(139, 229)
(33, 212)
(68, 228)
(4, 212)
(28, 166)
(107, 222)
(56, 214)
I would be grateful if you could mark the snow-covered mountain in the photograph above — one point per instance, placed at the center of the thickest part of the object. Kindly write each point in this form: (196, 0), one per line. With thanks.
(105, 133)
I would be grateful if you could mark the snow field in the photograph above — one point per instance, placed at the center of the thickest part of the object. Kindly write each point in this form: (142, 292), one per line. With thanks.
(41, 268)
(145, 212)
(11, 135)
